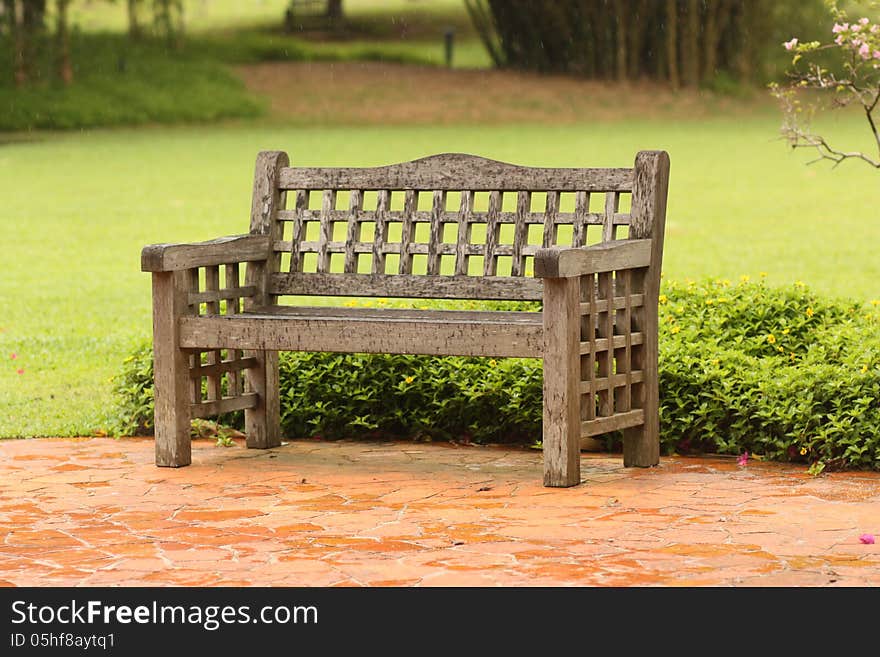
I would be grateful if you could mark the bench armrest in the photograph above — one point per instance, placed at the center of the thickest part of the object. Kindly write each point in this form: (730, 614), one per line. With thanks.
(221, 251)
(565, 262)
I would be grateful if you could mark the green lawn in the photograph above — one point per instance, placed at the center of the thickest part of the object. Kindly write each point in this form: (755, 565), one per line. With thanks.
(78, 207)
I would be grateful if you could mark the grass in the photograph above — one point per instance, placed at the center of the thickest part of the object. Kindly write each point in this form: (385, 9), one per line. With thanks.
(78, 207)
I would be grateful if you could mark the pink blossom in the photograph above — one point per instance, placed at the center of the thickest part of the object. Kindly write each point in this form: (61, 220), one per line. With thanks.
(865, 51)
(743, 459)
(856, 28)
(840, 28)
(839, 40)
(789, 45)
(877, 54)
(867, 539)
(20, 370)
(864, 21)
(875, 28)
(13, 355)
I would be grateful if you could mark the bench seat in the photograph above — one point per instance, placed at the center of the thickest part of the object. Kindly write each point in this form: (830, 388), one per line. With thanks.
(370, 330)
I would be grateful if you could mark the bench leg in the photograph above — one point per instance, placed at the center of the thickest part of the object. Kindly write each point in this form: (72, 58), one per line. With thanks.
(562, 416)
(170, 373)
(641, 445)
(263, 422)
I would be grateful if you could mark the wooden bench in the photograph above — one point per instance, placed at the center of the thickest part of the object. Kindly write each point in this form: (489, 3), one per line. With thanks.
(449, 226)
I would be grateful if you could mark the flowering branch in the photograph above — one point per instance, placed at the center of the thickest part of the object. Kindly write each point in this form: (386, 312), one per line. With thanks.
(857, 45)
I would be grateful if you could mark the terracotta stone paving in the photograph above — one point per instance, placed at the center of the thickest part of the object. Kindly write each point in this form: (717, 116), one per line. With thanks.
(97, 512)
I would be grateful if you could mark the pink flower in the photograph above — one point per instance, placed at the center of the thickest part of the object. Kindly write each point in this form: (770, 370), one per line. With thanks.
(840, 28)
(13, 355)
(865, 51)
(743, 459)
(875, 28)
(867, 539)
(877, 54)
(789, 45)
(839, 40)
(864, 21)
(20, 370)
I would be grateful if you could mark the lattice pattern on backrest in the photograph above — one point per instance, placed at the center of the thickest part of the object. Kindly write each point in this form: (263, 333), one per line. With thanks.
(452, 218)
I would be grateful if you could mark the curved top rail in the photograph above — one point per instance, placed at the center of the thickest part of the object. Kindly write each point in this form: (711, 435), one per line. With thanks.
(457, 172)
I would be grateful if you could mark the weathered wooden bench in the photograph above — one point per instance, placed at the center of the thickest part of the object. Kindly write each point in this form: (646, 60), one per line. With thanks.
(216, 341)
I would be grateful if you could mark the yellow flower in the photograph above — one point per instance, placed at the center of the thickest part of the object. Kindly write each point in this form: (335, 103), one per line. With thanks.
(791, 355)
(875, 302)
(709, 302)
(771, 339)
(493, 362)
(675, 329)
(670, 319)
(716, 361)
(663, 298)
(680, 310)
(786, 331)
(810, 312)
(721, 300)
(803, 451)
(726, 281)
(409, 379)
(763, 274)
(780, 349)
(864, 369)
(799, 284)
(745, 278)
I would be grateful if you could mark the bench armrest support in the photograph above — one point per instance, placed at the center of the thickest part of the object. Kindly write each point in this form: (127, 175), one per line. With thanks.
(565, 262)
(221, 251)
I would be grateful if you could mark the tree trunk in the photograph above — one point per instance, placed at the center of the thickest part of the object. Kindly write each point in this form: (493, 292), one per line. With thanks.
(745, 26)
(334, 10)
(134, 26)
(672, 42)
(635, 30)
(690, 45)
(16, 23)
(62, 43)
(620, 38)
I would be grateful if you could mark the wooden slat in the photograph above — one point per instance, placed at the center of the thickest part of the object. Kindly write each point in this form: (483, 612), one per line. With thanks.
(493, 228)
(456, 171)
(561, 413)
(463, 238)
(606, 383)
(407, 286)
(298, 231)
(526, 317)
(605, 326)
(223, 367)
(613, 423)
(407, 231)
(551, 218)
(380, 234)
(612, 203)
(633, 301)
(212, 284)
(173, 257)
(447, 337)
(436, 236)
(412, 249)
(601, 345)
(195, 360)
(355, 205)
(325, 235)
(588, 340)
(233, 379)
(623, 357)
(520, 233)
(581, 210)
(221, 295)
(424, 217)
(227, 405)
(609, 256)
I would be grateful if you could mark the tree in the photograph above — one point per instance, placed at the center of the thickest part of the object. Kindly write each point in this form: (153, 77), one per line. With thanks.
(852, 78)
(684, 42)
(135, 31)
(62, 43)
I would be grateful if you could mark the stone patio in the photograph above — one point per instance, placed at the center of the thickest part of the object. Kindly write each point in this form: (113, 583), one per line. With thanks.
(96, 512)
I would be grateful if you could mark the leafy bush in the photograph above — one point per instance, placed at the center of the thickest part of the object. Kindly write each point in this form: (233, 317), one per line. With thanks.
(780, 373)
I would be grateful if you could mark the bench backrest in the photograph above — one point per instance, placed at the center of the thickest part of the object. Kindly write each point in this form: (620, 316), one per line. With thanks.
(446, 226)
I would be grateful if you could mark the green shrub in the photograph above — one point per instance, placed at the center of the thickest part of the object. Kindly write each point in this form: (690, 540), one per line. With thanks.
(780, 373)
